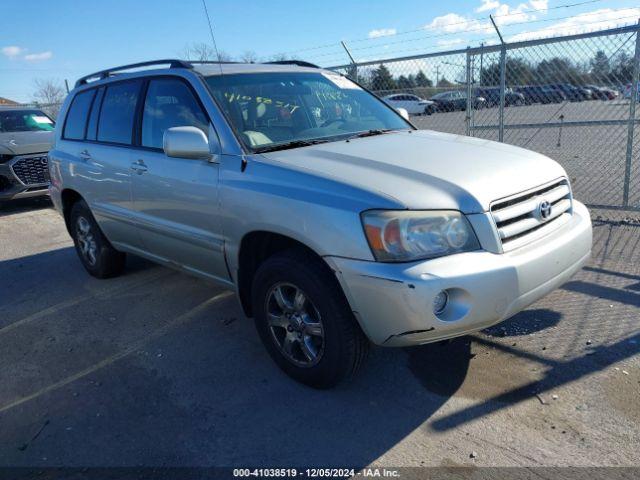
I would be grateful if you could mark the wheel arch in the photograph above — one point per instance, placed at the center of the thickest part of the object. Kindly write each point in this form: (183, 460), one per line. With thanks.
(255, 247)
(69, 198)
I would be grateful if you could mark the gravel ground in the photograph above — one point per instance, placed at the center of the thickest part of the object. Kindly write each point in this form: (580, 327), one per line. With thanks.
(158, 368)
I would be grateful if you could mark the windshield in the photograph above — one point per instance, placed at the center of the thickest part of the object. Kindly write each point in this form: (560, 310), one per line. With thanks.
(24, 121)
(271, 109)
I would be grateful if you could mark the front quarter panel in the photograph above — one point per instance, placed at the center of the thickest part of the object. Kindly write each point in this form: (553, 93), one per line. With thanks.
(321, 213)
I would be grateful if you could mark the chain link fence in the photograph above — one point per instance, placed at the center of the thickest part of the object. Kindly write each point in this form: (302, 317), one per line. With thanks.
(571, 98)
(51, 109)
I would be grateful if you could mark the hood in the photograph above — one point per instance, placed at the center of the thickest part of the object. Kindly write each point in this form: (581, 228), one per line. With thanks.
(21, 143)
(426, 169)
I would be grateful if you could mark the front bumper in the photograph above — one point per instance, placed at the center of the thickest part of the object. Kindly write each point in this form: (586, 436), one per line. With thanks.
(393, 302)
(12, 188)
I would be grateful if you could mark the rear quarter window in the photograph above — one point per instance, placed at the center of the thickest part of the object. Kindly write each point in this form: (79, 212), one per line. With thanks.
(77, 117)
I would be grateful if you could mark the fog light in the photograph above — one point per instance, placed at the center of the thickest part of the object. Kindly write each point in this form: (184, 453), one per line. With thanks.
(440, 302)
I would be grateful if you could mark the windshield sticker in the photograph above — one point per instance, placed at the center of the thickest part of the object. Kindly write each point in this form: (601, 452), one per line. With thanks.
(41, 119)
(341, 82)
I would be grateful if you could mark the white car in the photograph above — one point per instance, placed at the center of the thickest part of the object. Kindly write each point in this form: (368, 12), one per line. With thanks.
(413, 104)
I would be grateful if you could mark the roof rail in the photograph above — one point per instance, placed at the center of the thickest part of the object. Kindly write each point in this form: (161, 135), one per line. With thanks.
(173, 63)
(205, 62)
(300, 63)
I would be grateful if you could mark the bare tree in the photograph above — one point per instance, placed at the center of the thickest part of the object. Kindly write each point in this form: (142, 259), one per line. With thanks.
(203, 52)
(49, 94)
(250, 57)
(280, 57)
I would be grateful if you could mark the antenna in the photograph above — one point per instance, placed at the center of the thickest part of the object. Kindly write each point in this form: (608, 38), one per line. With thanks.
(213, 38)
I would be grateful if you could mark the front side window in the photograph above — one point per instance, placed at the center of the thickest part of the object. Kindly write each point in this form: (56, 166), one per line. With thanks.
(169, 103)
(77, 117)
(271, 109)
(24, 121)
(118, 112)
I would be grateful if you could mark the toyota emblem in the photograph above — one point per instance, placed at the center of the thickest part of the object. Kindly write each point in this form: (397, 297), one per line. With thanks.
(544, 210)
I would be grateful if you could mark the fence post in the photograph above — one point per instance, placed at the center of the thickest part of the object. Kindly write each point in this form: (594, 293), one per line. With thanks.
(469, 102)
(632, 118)
(503, 76)
(353, 69)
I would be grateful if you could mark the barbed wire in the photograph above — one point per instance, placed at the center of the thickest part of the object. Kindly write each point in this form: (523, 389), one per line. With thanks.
(466, 21)
(478, 41)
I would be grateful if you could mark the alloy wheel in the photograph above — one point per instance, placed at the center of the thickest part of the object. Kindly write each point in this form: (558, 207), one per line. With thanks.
(295, 324)
(86, 240)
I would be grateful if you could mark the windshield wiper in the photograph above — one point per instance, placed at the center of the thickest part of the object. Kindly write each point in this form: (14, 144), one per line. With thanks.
(370, 133)
(288, 145)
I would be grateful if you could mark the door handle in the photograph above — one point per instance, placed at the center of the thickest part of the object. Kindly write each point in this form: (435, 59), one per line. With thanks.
(139, 167)
(85, 155)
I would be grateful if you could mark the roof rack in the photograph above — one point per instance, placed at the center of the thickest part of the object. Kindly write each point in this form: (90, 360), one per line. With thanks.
(173, 63)
(300, 63)
(205, 62)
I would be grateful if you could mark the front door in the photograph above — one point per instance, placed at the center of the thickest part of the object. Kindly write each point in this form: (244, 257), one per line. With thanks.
(176, 199)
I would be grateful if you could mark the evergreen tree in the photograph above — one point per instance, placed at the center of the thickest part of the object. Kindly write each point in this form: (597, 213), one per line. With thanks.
(382, 79)
(422, 80)
(600, 68)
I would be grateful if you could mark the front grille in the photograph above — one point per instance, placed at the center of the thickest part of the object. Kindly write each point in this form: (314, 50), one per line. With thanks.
(523, 218)
(32, 170)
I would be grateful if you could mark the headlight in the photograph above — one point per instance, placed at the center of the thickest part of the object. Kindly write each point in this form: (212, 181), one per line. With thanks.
(401, 236)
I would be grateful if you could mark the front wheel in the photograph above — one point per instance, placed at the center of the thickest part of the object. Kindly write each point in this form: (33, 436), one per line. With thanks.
(304, 320)
(97, 255)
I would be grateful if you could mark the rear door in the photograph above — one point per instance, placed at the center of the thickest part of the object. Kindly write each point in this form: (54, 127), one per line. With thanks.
(107, 152)
(95, 140)
(176, 199)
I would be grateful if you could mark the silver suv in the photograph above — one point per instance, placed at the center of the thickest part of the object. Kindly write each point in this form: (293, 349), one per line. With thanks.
(335, 220)
(26, 135)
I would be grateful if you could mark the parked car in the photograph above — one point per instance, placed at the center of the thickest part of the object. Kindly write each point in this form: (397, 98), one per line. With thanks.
(541, 94)
(334, 219)
(413, 104)
(456, 100)
(628, 89)
(602, 93)
(573, 93)
(26, 134)
(492, 96)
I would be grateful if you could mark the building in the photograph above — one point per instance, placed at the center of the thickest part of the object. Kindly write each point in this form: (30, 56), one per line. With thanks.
(6, 101)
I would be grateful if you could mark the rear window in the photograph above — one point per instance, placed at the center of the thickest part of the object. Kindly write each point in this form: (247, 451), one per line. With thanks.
(24, 121)
(77, 116)
(118, 112)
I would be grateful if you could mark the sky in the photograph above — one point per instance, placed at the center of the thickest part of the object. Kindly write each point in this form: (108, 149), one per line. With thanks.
(65, 39)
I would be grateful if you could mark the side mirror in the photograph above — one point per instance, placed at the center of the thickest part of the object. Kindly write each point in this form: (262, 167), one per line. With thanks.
(186, 142)
(403, 113)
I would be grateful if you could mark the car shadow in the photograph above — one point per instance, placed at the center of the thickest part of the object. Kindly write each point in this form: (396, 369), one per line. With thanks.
(156, 368)
(24, 205)
(525, 323)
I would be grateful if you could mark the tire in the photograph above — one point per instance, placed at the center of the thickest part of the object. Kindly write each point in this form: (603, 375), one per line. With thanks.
(326, 327)
(97, 255)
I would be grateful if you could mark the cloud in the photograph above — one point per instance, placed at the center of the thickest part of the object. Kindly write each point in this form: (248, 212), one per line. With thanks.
(38, 57)
(13, 51)
(454, 23)
(584, 22)
(382, 32)
(541, 5)
(488, 5)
